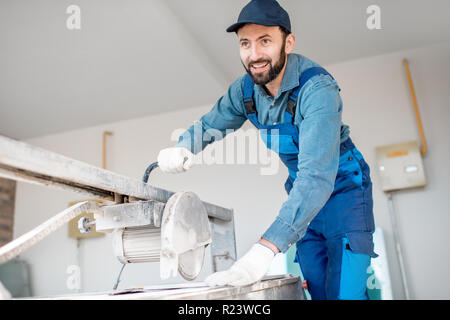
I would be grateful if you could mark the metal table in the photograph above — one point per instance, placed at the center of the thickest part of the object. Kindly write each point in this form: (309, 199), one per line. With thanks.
(281, 287)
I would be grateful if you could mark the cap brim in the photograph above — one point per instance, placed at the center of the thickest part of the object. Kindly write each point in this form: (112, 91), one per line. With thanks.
(237, 25)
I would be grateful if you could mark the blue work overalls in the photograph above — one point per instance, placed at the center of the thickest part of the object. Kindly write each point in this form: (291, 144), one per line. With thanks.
(336, 250)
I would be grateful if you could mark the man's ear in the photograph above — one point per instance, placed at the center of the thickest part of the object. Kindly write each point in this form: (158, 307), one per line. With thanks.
(290, 43)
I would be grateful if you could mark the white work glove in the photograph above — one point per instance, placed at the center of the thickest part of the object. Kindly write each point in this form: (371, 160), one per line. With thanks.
(175, 160)
(247, 270)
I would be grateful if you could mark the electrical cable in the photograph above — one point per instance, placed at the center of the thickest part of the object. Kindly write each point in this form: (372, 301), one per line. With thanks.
(148, 170)
(118, 277)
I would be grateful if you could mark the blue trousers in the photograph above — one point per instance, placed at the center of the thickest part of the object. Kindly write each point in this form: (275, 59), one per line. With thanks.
(335, 252)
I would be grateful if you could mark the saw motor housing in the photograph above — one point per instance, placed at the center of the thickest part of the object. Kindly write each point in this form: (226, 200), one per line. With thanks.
(175, 233)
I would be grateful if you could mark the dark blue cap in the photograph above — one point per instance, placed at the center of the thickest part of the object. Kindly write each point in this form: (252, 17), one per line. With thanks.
(263, 12)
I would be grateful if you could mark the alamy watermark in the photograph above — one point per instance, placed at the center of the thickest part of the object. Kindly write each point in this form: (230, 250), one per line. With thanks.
(73, 281)
(239, 147)
(373, 21)
(372, 281)
(73, 21)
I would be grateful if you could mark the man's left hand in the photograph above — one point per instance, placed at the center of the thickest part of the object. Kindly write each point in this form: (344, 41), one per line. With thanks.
(247, 270)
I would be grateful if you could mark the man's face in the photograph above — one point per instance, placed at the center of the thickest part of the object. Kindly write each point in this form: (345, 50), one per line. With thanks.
(262, 51)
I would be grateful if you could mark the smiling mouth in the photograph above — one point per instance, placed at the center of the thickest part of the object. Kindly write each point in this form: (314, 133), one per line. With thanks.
(259, 67)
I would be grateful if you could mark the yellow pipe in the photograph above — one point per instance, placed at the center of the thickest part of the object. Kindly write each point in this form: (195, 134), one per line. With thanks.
(416, 108)
(105, 133)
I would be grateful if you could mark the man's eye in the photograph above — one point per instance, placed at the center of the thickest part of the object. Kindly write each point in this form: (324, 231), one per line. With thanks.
(266, 41)
(244, 44)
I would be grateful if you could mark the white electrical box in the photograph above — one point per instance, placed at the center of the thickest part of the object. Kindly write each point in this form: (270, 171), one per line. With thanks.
(400, 166)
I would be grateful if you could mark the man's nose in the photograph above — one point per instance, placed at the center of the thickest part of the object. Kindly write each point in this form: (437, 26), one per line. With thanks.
(255, 53)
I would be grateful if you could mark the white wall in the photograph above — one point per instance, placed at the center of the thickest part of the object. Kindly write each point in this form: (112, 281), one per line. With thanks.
(378, 108)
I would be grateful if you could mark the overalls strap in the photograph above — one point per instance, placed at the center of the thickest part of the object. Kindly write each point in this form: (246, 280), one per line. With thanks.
(304, 77)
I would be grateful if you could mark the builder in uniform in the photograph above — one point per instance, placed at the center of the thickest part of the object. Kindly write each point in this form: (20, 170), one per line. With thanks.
(296, 106)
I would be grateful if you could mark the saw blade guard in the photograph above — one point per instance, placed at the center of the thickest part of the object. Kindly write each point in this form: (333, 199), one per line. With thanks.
(185, 232)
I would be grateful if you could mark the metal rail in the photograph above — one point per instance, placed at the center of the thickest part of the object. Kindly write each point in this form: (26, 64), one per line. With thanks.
(29, 239)
(23, 162)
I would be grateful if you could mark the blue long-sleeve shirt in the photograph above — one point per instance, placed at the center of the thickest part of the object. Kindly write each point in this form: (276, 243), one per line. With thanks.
(318, 116)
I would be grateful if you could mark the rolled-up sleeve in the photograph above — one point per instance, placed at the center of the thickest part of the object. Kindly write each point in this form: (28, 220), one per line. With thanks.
(227, 114)
(320, 109)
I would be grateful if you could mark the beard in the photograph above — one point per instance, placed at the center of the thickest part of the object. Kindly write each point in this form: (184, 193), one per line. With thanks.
(271, 74)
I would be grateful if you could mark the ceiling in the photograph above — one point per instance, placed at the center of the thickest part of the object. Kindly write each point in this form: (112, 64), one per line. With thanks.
(136, 58)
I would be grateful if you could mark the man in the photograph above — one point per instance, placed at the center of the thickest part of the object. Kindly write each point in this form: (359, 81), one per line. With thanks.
(295, 102)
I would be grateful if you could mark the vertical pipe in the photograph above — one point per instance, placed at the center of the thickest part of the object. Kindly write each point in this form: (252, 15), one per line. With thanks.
(416, 108)
(105, 133)
(78, 262)
(398, 248)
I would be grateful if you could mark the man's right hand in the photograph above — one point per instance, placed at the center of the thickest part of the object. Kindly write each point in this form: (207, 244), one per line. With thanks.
(175, 160)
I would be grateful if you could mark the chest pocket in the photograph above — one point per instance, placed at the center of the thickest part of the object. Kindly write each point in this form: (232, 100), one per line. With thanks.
(279, 143)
